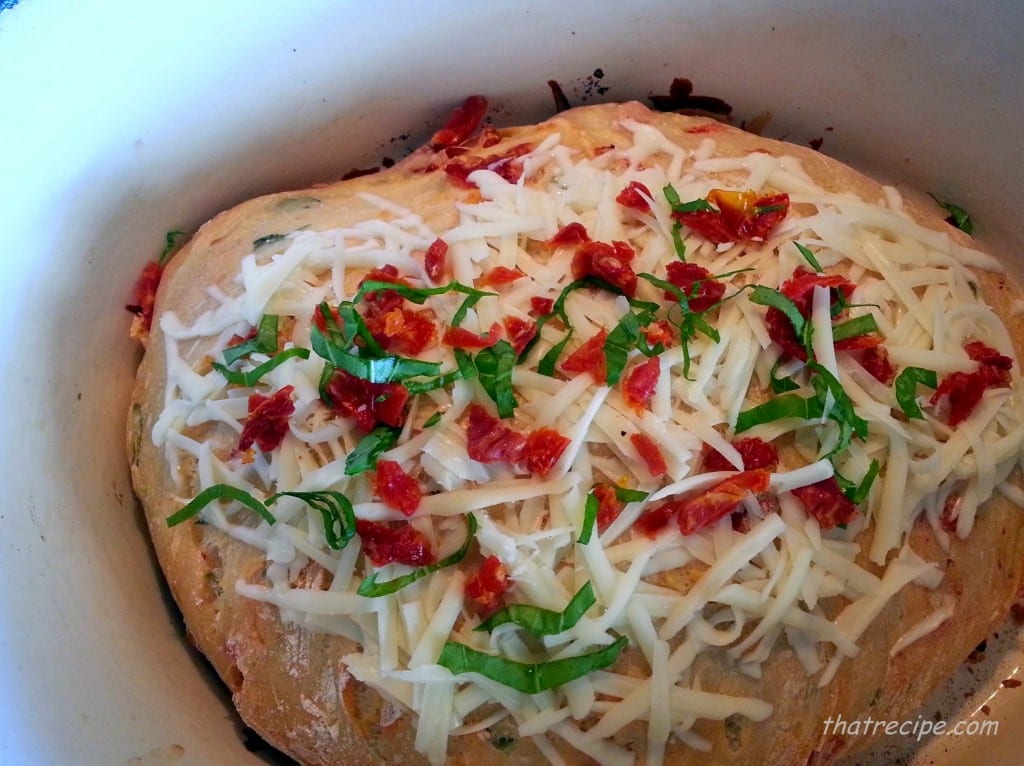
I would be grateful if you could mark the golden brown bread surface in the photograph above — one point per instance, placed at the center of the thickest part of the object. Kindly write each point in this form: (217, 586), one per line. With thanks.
(290, 683)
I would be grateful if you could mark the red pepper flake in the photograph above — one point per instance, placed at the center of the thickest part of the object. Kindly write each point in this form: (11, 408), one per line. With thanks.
(719, 500)
(635, 196)
(498, 276)
(695, 281)
(395, 543)
(740, 216)
(964, 390)
(144, 298)
(541, 306)
(369, 403)
(825, 501)
(755, 452)
(267, 422)
(489, 440)
(519, 332)
(543, 448)
(569, 235)
(460, 337)
(650, 453)
(462, 123)
(610, 262)
(589, 358)
(639, 384)
(435, 260)
(608, 505)
(396, 488)
(487, 587)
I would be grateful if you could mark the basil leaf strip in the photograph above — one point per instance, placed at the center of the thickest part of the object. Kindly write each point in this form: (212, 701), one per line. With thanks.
(617, 345)
(364, 457)
(591, 508)
(466, 371)
(855, 327)
(905, 386)
(219, 492)
(417, 295)
(842, 411)
(809, 257)
(265, 341)
(957, 215)
(540, 621)
(558, 310)
(781, 385)
(339, 517)
(432, 421)
(251, 377)
(495, 365)
(386, 369)
(170, 245)
(766, 296)
(856, 493)
(693, 206)
(785, 406)
(529, 678)
(371, 588)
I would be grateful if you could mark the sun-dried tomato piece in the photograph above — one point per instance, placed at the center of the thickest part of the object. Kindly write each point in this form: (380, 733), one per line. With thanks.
(383, 301)
(589, 358)
(489, 440)
(435, 260)
(695, 281)
(825, 501)
(460, 337)
(876, 361)
(756, 453)
(719, 500)
(506, 165)
(650, 453)
(543, 448)
(740, 216)
(487, 587)
(610, 262)
(396, 488)
(144, 295)
(639, 384)
(574, 233)
(267, 422)
(462, 123)
(369, 403)
(394, 543)
(608, 505)
(498, 276)
(659, 332)
(403, 331)
(320, 320)
(541, 306)
(519, 332)
(651, 522)
(981, 352)
(964, 390)
(635, 197)
(800, 289)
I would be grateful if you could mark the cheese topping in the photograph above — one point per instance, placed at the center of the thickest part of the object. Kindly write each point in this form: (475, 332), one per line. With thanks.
(747, 590)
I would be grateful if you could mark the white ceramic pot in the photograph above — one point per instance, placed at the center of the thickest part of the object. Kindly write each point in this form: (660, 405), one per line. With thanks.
(123, 119)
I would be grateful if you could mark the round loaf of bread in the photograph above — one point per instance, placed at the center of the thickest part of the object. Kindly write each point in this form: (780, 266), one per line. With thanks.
(684, 441)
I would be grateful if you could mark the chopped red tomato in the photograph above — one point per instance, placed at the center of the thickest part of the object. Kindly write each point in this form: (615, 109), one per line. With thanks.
(460, 337)
(756, 453)
(486, 588)
(541, 306)
(653, 521)
(876, 361)
(610, 262)
(635, 197)
(719, 500)
(489, 440)
(608, 505)
(740, 216)
(462, 123)
(435, 260)
(519, 332)
(396, 488)
(571, 234)
(397, 543)
(589, 358)
(506, 165)
(639, 384)
(543, 448)
(650, 453)
(825, 501)
(695, 281)
(498, 276)
(964, 390)
(267, 422)
(144, 296)
(369, 403)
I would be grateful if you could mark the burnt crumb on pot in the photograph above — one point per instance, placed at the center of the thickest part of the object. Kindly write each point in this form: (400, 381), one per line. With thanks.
(681, 99)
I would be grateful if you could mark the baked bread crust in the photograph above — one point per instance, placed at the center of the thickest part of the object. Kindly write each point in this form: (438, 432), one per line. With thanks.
(291, 685)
